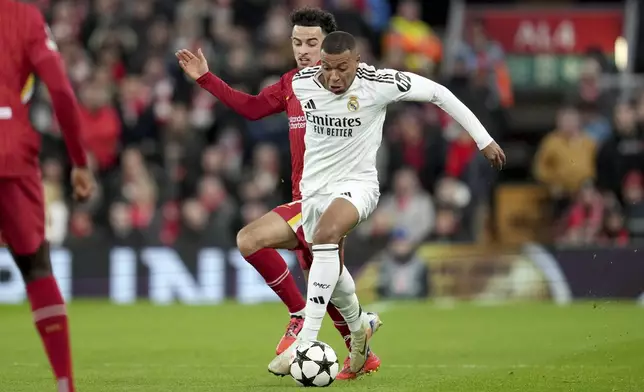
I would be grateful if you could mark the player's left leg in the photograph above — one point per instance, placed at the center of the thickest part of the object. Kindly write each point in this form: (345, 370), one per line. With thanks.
(22, 222)
(373, 320)
(258, 242)
(306, 259)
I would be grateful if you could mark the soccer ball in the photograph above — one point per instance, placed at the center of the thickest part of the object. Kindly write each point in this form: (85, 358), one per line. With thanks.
(314, 364)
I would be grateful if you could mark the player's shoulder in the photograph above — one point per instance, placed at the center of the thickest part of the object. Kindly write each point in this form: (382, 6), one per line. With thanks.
(385, 78)
(306, 73)
(288, 76)
(306, 80)
(24, 12)
(27, 17)
(370, 73)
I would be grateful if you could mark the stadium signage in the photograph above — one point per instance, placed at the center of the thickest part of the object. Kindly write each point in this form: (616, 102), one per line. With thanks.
(558, 31)
(162, 275)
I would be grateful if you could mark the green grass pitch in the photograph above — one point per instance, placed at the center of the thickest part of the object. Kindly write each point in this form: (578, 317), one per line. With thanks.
(523, 347)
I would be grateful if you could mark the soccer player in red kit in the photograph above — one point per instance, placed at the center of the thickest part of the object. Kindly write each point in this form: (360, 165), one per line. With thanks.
(281, 228)
(28, 48)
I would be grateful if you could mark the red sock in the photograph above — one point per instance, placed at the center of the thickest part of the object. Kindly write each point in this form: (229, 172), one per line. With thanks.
(340, 324)
(50, 317)
(274, 270)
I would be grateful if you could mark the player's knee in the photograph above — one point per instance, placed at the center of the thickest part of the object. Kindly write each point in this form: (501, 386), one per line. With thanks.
(249, 241)
(34, 266)
(327, 235)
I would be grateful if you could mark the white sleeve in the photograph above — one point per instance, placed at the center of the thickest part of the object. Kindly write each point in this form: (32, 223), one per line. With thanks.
(411, 87)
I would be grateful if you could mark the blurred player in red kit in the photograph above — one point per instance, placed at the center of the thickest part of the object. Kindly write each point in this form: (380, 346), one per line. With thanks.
(28, 48)
(281, 228)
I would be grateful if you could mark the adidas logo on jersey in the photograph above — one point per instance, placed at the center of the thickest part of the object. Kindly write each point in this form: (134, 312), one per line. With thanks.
(309, 104)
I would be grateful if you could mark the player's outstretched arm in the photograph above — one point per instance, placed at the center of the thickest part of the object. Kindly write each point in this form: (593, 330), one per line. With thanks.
(46, 61)
(253, 107)
(407, 86)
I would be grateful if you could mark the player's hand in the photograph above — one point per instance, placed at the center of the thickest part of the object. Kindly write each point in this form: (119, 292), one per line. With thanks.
(193, 66)
(494, 153)
(83, 183)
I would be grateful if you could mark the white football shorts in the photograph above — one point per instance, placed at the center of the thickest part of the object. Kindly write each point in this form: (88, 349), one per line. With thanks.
(363, 197)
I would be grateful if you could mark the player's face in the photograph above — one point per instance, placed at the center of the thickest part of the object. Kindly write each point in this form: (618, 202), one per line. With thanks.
(306, 41)
(339, 70)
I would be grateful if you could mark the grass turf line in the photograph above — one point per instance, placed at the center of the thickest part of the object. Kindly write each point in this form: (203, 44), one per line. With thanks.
(524, 347)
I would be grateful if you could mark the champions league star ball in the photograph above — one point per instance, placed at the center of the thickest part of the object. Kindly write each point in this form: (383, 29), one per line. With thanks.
(314, 364)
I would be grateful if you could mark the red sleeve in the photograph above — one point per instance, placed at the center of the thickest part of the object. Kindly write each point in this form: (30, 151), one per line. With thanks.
(46, 61)
(269, 101)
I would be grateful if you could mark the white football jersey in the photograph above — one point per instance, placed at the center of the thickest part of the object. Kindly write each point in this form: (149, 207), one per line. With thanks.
(344, 132)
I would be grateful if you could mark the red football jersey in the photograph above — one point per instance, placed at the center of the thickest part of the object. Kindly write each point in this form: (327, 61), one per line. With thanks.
(296, 130)
(273, 99)
(28, 48)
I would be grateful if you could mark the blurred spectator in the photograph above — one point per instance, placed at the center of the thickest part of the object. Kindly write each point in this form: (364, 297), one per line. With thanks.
(594, 123)
(566, 157)
(403, 275)
(614, 232)
(623, 152)
(639, 109)
(407, 31)
(176, 165)
(460, 152)
(634, 204)
(349, 18)
(251, 212)
(448, 226)
(477, 94)
(215, 200)
(378, 13)
(55, 206)
(589, 88)
(409, 208)
(417, 146)
(455, 210)
(585, 217)
(81, 224)
(120, 220)
(265, 172)
(195, 227)
(101, 124)
(485, 62)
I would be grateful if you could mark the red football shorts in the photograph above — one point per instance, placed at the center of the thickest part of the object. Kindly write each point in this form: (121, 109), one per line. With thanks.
(292, 214)
(22, 214)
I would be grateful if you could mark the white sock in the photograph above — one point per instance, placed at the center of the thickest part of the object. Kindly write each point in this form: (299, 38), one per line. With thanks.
(345, 299)
(323, 277)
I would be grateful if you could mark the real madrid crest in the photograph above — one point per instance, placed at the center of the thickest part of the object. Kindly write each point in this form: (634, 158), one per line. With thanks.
(353, 104)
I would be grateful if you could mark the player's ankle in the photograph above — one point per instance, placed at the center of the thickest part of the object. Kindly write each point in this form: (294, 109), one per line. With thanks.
(299, 313)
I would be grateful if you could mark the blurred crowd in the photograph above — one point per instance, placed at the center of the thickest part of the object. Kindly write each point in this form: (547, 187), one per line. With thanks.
(593, 164)
(175, 164)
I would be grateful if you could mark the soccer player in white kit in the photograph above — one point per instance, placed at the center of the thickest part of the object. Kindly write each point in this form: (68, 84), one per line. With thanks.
(345, 103)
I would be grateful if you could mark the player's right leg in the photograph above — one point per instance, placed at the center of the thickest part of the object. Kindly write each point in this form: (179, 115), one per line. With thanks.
(22, 222)
(361, 359)
(257, 243)
(326, 222)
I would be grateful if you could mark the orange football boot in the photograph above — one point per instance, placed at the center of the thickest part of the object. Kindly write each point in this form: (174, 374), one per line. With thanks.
(292, 330)
(370, 366)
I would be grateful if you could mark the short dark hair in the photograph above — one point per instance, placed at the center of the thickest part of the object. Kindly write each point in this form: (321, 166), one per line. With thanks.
(338, 42)
(314, 17)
